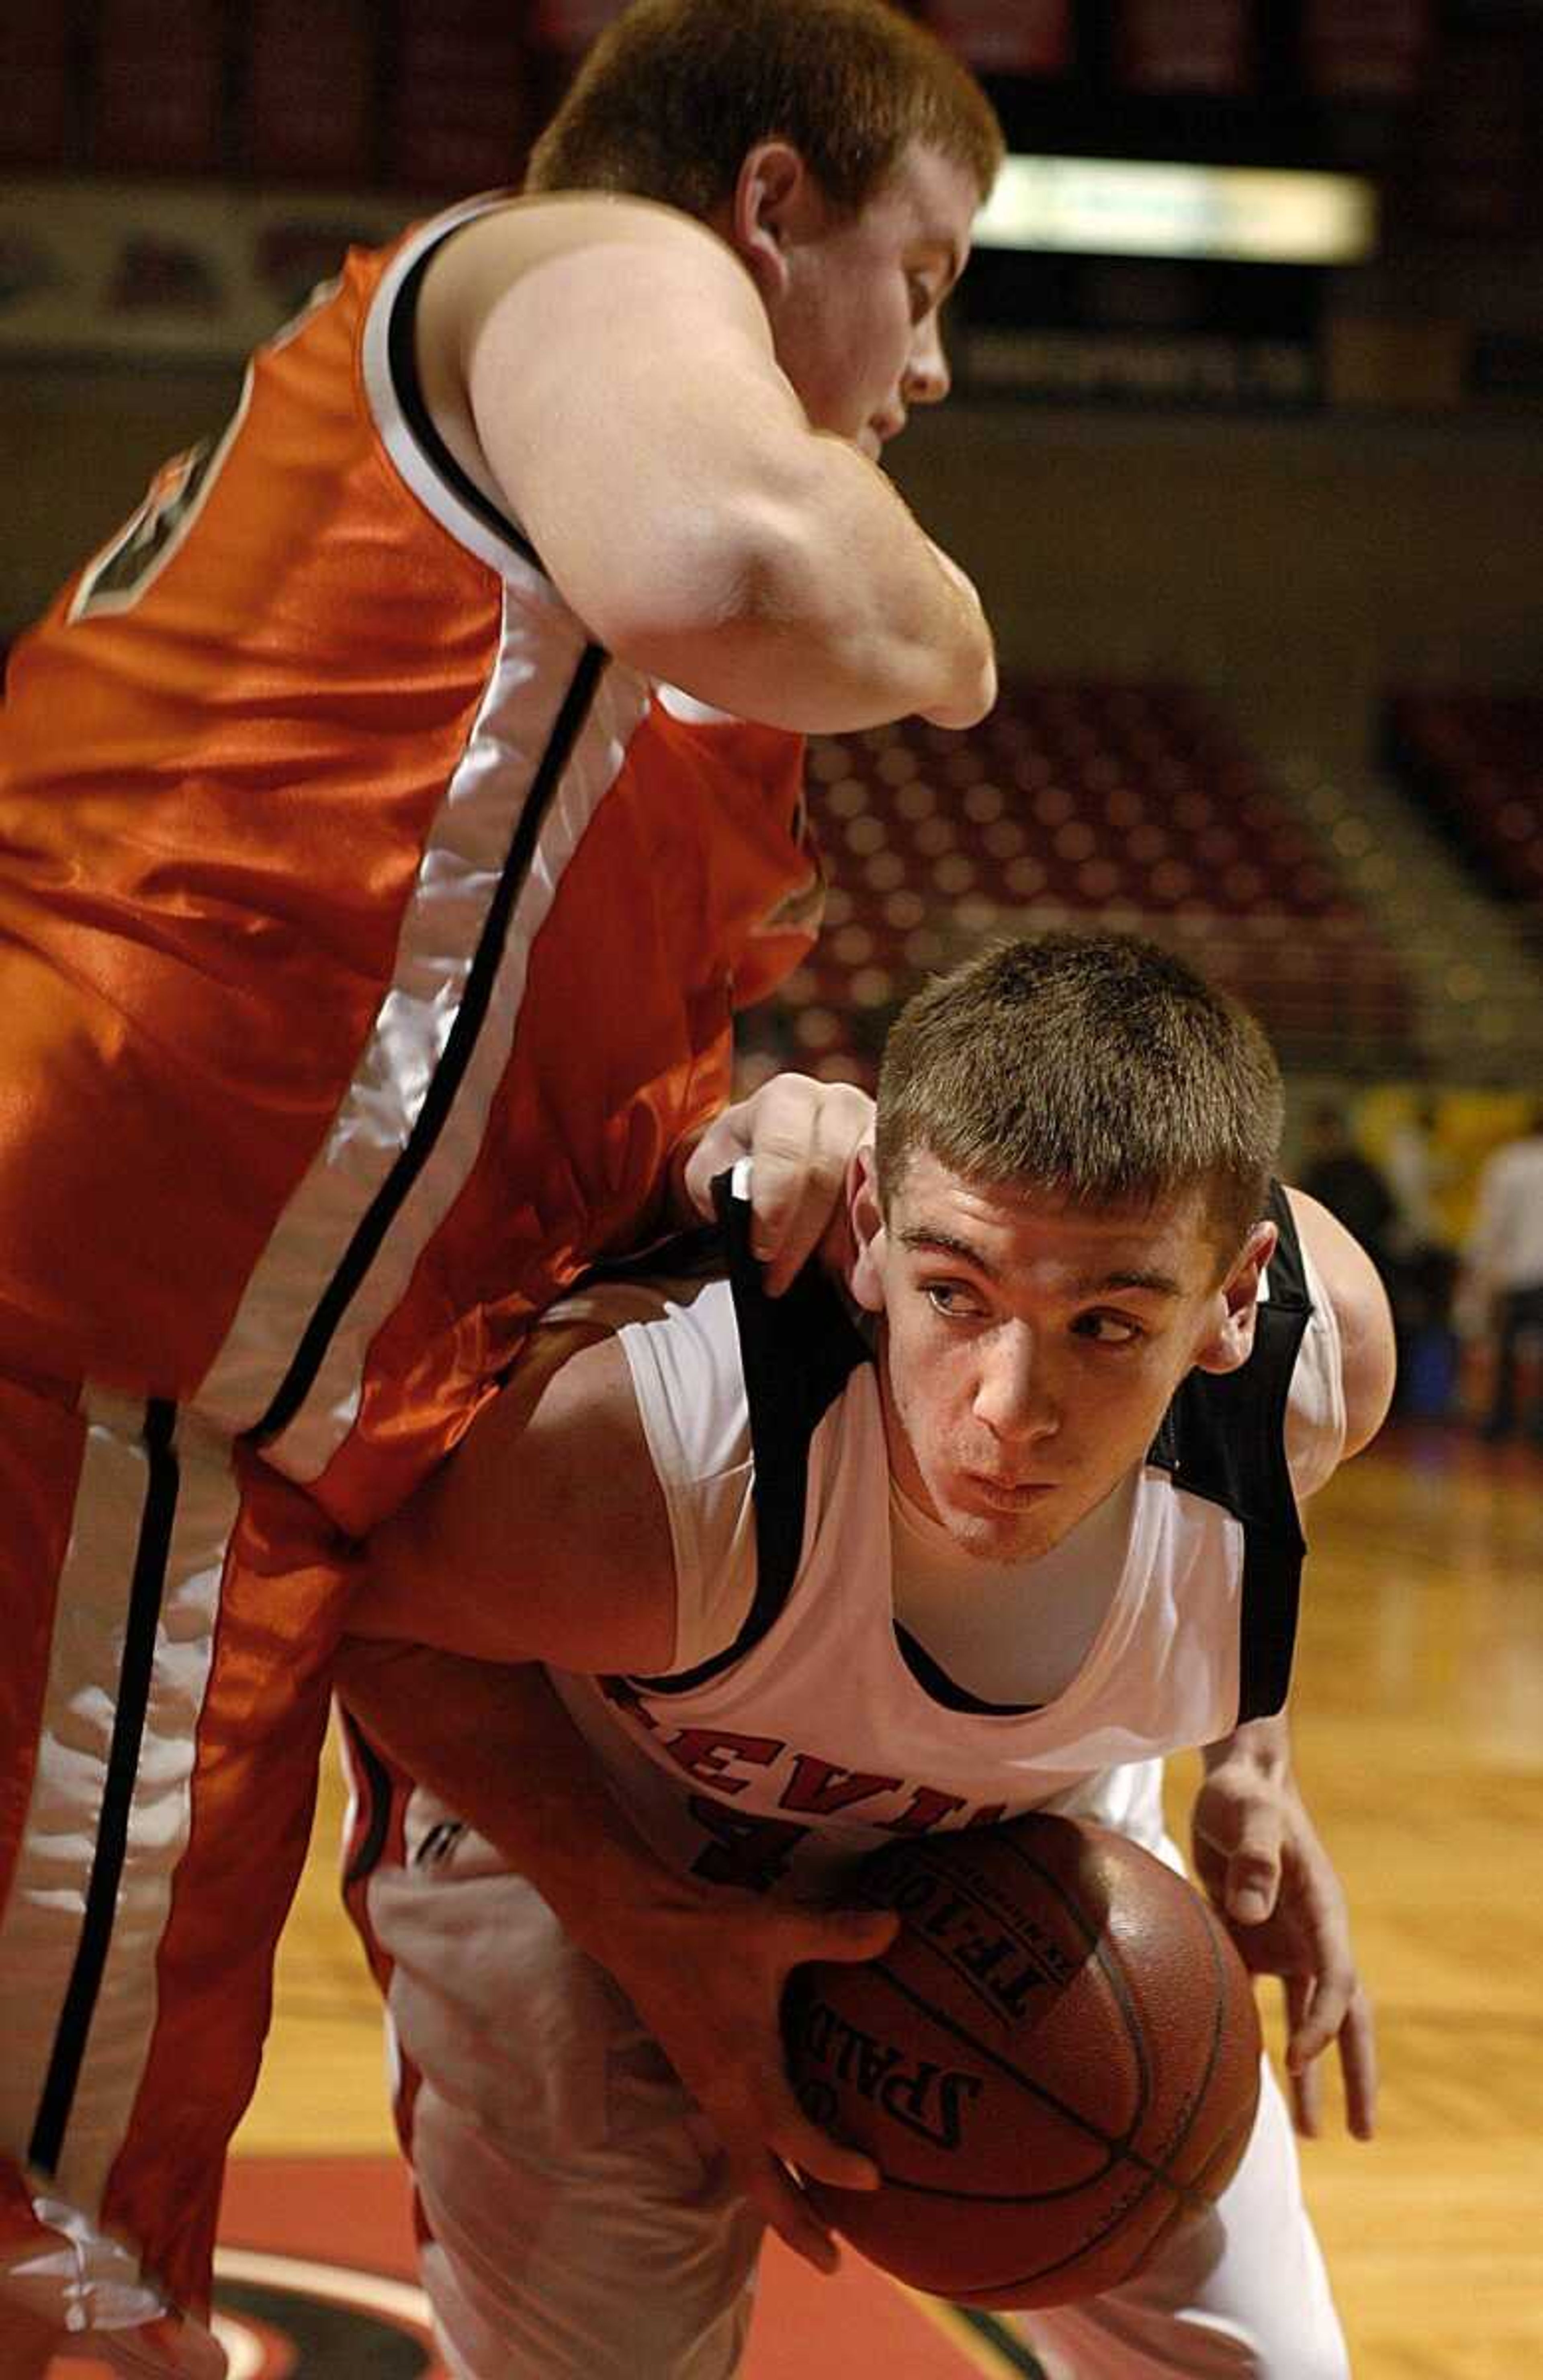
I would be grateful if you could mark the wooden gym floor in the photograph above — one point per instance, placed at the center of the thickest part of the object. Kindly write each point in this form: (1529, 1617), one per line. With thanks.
(1418, 1709)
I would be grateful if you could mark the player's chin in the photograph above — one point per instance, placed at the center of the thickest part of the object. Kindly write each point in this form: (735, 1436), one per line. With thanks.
(1002, 1535)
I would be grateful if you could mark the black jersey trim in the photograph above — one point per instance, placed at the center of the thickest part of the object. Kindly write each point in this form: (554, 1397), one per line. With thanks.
(935, 1682)
(1224, 1438)
(445, 1082)
(799, 1353)
(147, 1588)
(694, 1253)
(402, 363)
(375, 1784)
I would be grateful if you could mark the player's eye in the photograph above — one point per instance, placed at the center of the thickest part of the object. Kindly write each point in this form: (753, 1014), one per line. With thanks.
(923, 296)
(1108, 1330)
(953, 1298)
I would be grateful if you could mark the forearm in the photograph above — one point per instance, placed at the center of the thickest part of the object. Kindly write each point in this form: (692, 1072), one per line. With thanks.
(818, 605)
(705, 1967)
(1258, 1854)
(624, 389)
(859, 617)
(495, 1743)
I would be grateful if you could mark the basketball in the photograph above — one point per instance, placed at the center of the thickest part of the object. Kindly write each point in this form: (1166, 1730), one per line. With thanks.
(1055, 2066)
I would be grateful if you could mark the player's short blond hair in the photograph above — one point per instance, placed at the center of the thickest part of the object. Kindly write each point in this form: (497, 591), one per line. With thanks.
(676, 94)
(1096, 1068)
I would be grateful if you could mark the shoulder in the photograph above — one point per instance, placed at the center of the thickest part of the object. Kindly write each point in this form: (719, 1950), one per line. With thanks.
(558, 1462)
(678, 1338)
(1363, 1322)
(675, 1361)
(556, 259)
(544, 1537)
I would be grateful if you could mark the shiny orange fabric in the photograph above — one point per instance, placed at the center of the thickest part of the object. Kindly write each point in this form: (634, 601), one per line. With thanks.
(211, 808)
(212, 813)
(624, 1045)
(253, 1792)
(214, 801)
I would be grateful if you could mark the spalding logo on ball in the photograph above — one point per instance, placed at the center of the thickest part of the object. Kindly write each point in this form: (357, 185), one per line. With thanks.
(1055, 2066)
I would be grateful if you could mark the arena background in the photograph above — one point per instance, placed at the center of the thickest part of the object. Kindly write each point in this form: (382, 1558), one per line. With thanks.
(1262, 543)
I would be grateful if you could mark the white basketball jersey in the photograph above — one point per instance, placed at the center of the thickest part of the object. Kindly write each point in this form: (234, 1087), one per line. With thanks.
(825, 1726)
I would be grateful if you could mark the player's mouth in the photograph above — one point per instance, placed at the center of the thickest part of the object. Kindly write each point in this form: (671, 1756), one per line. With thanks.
(1007, 1495)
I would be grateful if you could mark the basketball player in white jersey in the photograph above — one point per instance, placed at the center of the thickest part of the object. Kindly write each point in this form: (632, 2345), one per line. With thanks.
(997, 1522)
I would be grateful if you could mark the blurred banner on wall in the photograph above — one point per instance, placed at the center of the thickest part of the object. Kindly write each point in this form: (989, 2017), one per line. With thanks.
(162, 272)
(146, 139)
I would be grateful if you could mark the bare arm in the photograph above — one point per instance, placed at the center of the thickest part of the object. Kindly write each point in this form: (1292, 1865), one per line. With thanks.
(1255, 1846)
(1260, 1859)
(544, 1537)
(704, 1967)
(620, 377)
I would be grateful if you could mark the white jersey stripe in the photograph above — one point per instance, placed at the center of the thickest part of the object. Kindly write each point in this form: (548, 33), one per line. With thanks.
(469, 526)
(41, 1931)
(541, 648)
(458, 880)
(455, 893)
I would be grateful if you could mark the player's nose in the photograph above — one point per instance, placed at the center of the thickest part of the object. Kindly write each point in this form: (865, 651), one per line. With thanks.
(928, 378)
(1014, 1398)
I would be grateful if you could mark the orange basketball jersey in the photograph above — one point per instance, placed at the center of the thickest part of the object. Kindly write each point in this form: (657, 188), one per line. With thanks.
(366, 936)
(367, 939)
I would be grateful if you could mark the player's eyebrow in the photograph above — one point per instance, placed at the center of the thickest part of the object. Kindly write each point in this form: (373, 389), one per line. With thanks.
(1161, 1284)
(923, 1239)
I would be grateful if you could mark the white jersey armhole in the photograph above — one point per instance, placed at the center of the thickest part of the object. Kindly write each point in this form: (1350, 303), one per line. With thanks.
(432, 472)
(687, 1378)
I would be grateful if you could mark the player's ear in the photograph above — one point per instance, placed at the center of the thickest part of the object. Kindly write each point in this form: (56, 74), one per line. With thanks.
(1231, 1343)
(773, 196)
(867, 1219)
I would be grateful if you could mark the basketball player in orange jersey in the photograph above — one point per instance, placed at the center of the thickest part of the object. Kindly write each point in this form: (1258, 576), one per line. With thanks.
(381, 859)
(1001, 1529)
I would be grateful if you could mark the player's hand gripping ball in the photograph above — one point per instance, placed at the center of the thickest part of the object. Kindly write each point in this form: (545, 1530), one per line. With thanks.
(1054, 2066)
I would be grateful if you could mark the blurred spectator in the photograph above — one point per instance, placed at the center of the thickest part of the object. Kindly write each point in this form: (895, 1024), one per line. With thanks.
(1415, 1172)
(1342, 1178)
(1503, 1271)
(1421, 1266)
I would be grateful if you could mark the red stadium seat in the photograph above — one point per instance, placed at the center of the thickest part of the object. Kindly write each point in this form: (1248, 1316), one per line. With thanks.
(311, 100)
(160, 87)
(1085, 802)
(1474, 763)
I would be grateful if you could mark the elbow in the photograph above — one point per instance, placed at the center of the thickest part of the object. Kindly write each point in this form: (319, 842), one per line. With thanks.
(792, 606)
(1370, 1376)
(1369, 1361)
